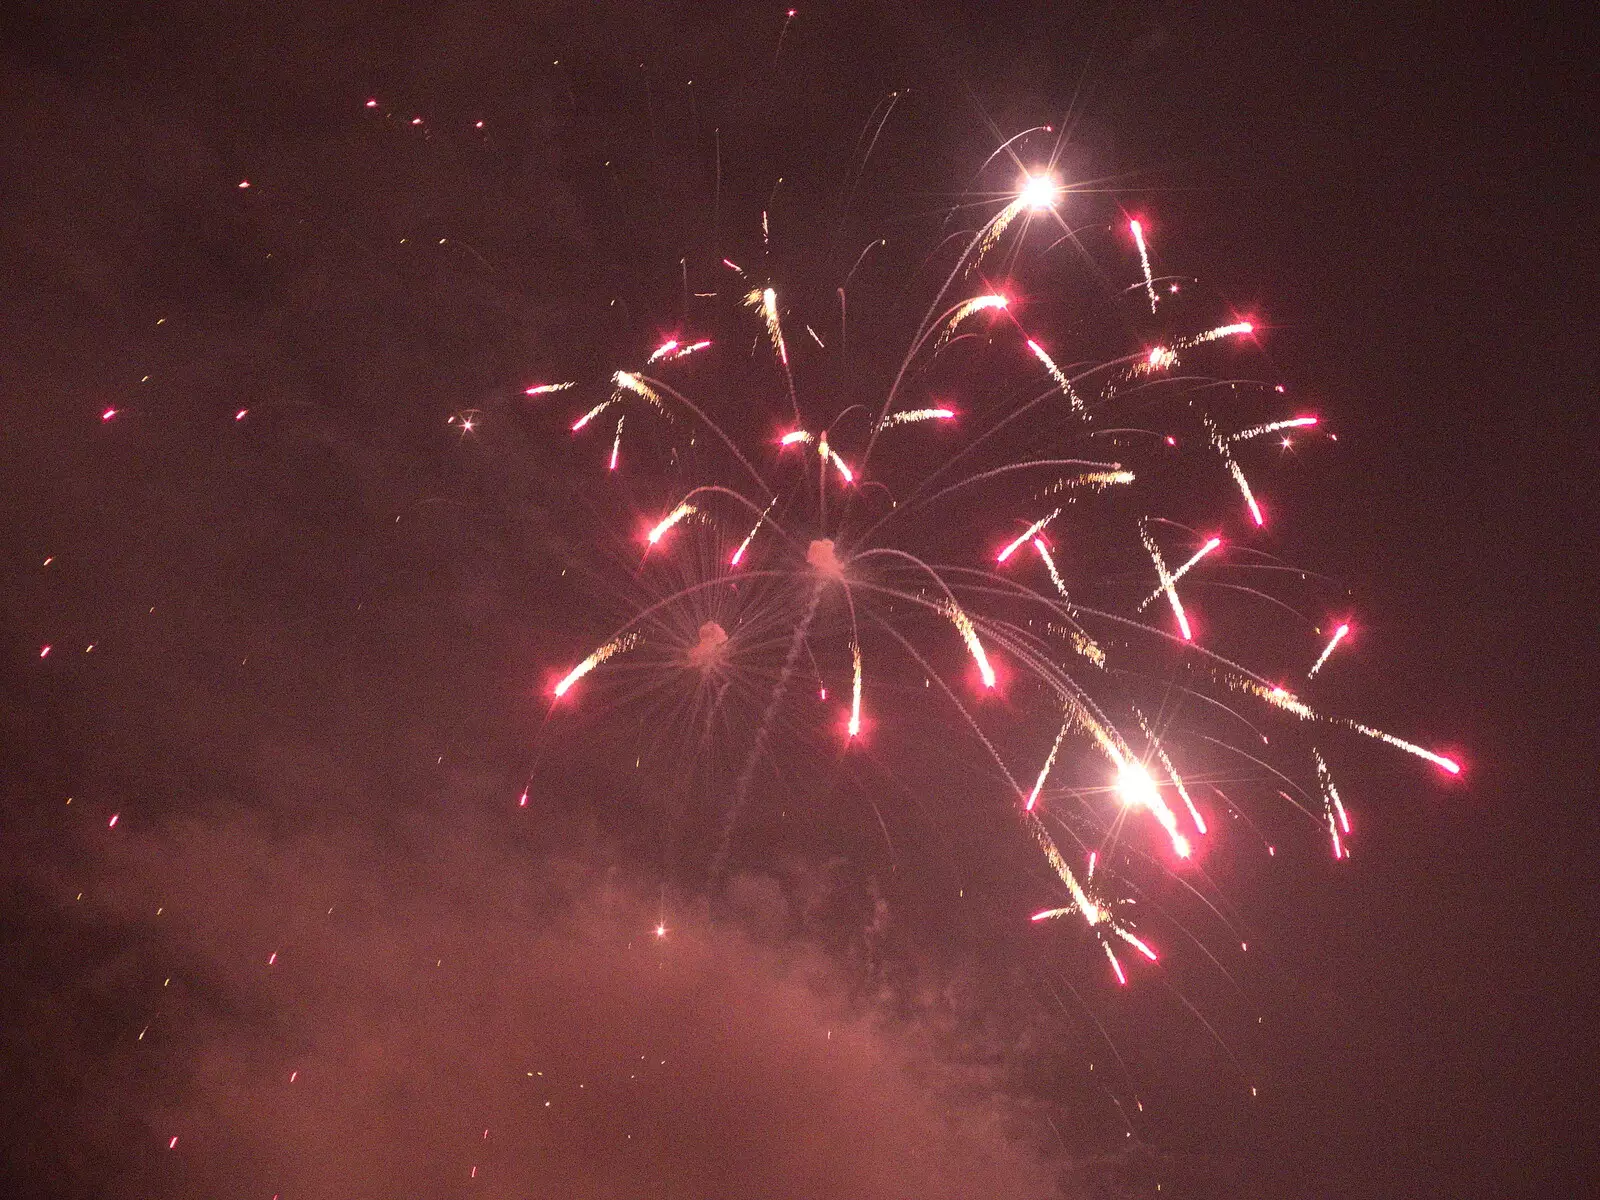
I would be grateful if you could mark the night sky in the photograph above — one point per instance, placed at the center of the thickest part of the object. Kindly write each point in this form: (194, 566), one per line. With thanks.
(272, 884)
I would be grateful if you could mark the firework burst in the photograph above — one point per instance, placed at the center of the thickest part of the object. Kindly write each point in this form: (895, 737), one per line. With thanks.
(857, 546)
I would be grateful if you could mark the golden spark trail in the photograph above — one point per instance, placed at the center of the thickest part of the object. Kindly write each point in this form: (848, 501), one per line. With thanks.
(616, 442)
(632, 382)
(1212, 335)
(543, 389)
(672, 518)
(1050, 566)
(1333, 808)
(1056, 374)
(1438, 760)
(1166, 582)
(766, 299)
(966, 309)
(969, 635)
(738, 555)
(1272, 427)
(854, 727)
(671, 351)
(1138, 790)
(829, 456)
(1221, 445)
(911, 415)
(615, 646)
(1339, 635)
(1172, 772)
(1027, 535)
(593, 413)
(1044, 771)
(1144, 263)
(1211, 544)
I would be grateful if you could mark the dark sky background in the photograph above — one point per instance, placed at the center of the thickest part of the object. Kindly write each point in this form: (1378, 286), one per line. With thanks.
(319, 632)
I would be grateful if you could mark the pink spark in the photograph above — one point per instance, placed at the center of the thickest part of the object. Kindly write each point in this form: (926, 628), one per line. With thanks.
(244, 183)
(108, 414)
(112, 824)
(789, 439)
(477, 124)
(44, 652)
(241, 414)
(272, 958)
(522, 800)
(1094, 856)
(173, 1144)
(293, 1075)
(372, 104)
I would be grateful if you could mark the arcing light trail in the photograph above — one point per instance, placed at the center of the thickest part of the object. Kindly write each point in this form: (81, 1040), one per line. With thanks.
(838, 564)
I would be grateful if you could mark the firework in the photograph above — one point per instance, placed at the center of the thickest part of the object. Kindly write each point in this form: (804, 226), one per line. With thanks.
(1144, 262)
(1339, 635)
(842, 558)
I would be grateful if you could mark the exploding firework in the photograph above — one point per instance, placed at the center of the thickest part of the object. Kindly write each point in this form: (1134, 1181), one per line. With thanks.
(877, 542)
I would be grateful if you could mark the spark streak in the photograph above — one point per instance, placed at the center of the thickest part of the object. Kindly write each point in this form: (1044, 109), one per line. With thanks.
(910, 416)
(616, 442)
(1166, 583)
(1050, 566)
(544, 389)
(1272, 427)
(969, 635)
(1144, 262)
(1027, 535)
(1056, 374)
(854, 728)
(1339, 635)
(1210, 545)
(615, 646)
(672, 518)
(1044, 771)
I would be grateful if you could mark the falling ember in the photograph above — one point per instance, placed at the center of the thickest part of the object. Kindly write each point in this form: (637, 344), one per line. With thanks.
(1167, 583)
(1339, 635)
(1244, 489)
(1210, 545)
(44, 652)
(1438, 760)
(969, 635)
(828, 455)
(630, 381)
(112, 824)
(1115, 965)
(1056, 373)
(766, 299)
(544, 389)
(616, 645)
(172, 1144)
(1028, 535)
(912, 415)
(738, 555)
(1044, 771)
(1050, 566)
(593, 413)
(1160, 358)
(854, 727)
(968, 308)
(795, 437)
(1332, 807)
(1137, 790)
(1221, 331)
(616, 443)
(1272, 427)
(1144, 262)
(108, 414)
(666, 523)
